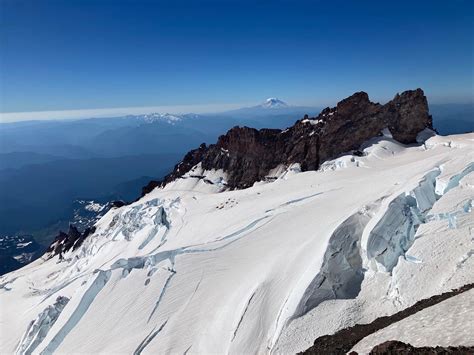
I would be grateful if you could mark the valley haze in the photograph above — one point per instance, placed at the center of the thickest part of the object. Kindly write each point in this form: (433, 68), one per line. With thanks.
(236, 177)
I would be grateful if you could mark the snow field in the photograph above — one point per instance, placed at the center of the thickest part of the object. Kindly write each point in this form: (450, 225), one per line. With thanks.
(192, 268)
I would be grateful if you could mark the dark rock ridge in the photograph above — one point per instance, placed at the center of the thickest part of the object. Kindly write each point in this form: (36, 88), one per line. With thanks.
(247, 155)
(397, 347)
(68, 241)
(345, 339)
(79, 229)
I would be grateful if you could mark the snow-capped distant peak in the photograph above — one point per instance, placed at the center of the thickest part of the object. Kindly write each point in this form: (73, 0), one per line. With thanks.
(160, 117)
(273, 102)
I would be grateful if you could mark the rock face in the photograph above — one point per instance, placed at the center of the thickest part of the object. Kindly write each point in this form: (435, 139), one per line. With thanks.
(247, 155)
(68, 241)
(397, 347)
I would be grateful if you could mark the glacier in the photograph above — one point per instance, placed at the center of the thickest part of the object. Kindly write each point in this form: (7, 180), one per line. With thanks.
(195, 268)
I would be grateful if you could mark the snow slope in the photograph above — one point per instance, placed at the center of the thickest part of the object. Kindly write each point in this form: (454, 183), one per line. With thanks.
(449, 323)
(191, 269)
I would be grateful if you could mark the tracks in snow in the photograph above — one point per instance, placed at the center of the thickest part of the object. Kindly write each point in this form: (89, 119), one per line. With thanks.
(242, 316)
(148, 339)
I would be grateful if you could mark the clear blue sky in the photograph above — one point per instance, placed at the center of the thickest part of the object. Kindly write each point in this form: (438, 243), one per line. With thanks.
(70, 54)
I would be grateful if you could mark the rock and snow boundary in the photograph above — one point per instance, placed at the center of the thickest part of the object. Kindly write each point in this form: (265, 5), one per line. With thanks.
(426, 319)
(268, 269)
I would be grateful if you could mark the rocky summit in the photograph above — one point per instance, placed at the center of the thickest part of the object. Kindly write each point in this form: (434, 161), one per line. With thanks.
(247, 155)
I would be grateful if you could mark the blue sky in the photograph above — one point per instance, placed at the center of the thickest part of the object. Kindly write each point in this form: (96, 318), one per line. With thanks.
(75, 55)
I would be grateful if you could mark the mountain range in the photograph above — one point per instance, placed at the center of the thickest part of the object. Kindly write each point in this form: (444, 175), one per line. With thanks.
(347, 231)
(106, 159)
(98, 159)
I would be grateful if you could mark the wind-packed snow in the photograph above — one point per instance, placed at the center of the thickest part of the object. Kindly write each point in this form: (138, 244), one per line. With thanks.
(449, 323)
(194, 268)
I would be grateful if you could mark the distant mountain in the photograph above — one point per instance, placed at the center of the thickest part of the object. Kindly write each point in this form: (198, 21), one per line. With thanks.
(311, 141)
(53, 160)
(273, 103)
(270, 108)
(159, 117)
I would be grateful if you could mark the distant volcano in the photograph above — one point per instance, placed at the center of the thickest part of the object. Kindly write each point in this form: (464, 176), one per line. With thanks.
(273, 102)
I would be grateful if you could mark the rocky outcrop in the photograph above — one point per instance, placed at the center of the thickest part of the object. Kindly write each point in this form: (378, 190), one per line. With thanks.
(247, 155)
(68, 241)
(397, 347)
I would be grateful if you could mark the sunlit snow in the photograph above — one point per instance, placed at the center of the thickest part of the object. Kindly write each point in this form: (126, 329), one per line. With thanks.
(196, 268)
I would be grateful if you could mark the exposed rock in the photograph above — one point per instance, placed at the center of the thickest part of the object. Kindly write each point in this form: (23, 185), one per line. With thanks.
(247, 155)
(68, 241)
(71, 240)
(397, 347)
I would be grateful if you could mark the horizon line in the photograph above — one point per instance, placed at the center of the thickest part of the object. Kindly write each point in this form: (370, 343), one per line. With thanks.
(46, 115)
(110, 112)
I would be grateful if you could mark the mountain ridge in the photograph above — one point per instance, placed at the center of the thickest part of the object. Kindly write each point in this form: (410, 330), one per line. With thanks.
(247, 155)
(268, 269)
